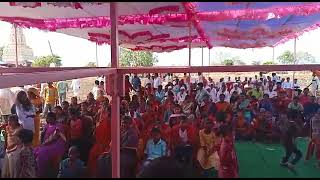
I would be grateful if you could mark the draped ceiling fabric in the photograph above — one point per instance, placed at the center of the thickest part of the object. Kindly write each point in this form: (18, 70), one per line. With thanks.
(164, 26)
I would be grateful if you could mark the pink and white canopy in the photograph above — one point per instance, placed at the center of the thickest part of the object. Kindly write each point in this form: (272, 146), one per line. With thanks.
(164, 26)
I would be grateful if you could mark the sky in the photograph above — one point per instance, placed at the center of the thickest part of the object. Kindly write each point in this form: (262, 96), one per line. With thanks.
(77, 52)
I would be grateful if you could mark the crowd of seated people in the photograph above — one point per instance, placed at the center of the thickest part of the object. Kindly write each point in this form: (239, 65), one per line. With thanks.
(194, 124)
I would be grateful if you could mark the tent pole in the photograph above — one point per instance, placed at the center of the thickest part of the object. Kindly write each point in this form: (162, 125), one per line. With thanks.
(16, 43)
(190, 40)
(115, 107)
(97, 62)
(209, 58)
(190, 44)
(202, 56)
(273, 54)
(294, 55)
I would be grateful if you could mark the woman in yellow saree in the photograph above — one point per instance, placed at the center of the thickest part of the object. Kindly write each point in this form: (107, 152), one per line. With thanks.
(37, 103)
(208, 153)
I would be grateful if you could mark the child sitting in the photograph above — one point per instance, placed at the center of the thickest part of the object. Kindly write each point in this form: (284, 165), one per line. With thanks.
(72, 167)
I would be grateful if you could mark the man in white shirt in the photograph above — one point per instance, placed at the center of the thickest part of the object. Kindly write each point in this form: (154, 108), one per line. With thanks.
(271, 92)
(181, 96)
(200, 78)
(224, 91)
(236, 88)
(287, 84)
(157, 81)
(75, 85)
(314, 84)
(213, 93)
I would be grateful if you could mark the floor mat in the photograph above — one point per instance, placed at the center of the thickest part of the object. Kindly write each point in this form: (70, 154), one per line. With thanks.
(262, 160)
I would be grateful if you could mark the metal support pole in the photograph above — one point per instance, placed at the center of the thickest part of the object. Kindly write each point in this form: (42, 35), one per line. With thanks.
(190, 43)
(202, 56)
(190, 40)
(273, 54)
(115, 107)
(16, 43)
(294, 55)
(209, 58)
(97, 62)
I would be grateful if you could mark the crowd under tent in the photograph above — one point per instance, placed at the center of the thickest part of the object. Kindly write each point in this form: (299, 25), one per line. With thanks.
(158, 27)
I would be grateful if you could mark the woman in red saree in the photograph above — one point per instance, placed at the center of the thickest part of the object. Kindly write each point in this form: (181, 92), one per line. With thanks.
(228, 158)
(102, 138)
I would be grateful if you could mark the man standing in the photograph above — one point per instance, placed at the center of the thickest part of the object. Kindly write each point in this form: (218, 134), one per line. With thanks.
(157, 81)
(314, 84)
(75, 85)
(62, 87)
(136, 82)
(50, 98)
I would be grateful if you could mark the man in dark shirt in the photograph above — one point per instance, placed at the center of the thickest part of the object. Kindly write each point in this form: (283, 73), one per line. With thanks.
(310, 108)
(289, 131)
(136, 82)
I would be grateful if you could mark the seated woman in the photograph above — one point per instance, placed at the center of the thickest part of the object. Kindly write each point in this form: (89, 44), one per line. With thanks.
(102, 139)
(72, 167)
(244, 129)
(262, 126)
(182, 140)
(74, 104)
(207, 156)
(129, 135)
(49, 154)
(156, 147)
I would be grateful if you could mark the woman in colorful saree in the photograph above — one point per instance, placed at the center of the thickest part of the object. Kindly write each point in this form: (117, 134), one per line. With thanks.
(102, 136)
(49, 153)
(35, 99)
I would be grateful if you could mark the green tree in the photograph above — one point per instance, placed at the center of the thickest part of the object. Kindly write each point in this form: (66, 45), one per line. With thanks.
(286, 57)
(1, 52)
(302, 57)
(45, 61)
(228, 62)
(233, 61)
(91, 64)
(130, 58)
(269, 63)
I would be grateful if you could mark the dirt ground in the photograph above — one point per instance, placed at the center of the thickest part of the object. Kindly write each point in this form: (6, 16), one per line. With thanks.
(304, 79)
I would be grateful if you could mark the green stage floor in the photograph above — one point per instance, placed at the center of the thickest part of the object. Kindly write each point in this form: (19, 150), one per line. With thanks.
(262, 160)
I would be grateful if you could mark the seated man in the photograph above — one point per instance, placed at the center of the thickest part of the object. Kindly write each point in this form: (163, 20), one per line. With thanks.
(155, 147)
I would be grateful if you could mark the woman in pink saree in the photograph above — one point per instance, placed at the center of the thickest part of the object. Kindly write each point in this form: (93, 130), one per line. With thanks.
(50, 152)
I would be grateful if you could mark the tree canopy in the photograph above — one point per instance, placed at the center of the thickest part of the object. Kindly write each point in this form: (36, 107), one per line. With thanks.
(92, 64)
(130, 58)
(302, 57)
(232, 61)
(45, 61)
(1, 52)
(269, 63)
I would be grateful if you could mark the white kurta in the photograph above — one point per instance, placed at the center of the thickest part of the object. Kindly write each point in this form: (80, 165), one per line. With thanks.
(75, 85)
(314, 85)
(7, 98)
